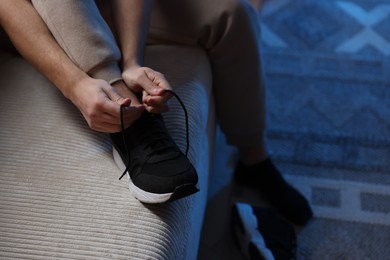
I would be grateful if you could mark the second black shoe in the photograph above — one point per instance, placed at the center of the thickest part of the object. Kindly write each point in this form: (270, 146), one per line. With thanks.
(261, 234)
(266, 178)
(158, 170)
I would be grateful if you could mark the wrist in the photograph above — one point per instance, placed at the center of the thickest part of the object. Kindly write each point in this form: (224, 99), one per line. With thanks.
(130, 64)
(74, 82)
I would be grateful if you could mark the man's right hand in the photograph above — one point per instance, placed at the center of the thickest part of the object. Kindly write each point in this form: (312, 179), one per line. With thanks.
(153, 85)
(100, 105)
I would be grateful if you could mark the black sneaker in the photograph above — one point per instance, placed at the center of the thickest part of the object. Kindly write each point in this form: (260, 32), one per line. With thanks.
(269, 182)
(158, 170)
(261, 234)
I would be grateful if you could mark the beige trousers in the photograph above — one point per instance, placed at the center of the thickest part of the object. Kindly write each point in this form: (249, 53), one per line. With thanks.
(228, 30)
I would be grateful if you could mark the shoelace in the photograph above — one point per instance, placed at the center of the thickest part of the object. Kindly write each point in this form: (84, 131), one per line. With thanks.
(124, 136)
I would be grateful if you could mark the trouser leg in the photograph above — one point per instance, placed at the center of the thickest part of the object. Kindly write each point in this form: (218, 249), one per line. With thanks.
(84, 35)
(229, 31)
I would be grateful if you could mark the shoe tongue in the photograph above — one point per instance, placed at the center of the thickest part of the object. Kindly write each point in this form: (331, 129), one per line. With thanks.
(155, 137)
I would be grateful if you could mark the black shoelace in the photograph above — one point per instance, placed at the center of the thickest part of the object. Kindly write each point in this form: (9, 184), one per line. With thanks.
(124, 136)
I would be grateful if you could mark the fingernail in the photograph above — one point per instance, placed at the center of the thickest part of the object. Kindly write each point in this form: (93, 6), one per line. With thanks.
(126, 102)
(159, 91)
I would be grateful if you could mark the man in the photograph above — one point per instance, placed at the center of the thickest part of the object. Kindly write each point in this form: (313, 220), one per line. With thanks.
(95, 59)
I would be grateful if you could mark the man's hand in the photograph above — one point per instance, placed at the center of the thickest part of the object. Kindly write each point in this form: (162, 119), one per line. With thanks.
(100, 105)
(153, 86)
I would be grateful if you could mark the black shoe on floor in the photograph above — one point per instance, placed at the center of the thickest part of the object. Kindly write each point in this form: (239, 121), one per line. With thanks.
(265, 178)
(158, 170)
(261, 234)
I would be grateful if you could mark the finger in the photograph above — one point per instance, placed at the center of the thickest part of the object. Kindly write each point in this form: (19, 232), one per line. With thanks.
(115, 97)
(103, 123)
(109, 124)
(157, 102)
(157, 82)
(113, 111)
(156, 110)
(147, 85)
(159, 99)
(112, 108)
(130, 114)
(158, 79)
(112, 104)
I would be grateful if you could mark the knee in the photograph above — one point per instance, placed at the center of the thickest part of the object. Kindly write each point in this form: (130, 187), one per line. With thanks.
(233, 16)
(237, 8)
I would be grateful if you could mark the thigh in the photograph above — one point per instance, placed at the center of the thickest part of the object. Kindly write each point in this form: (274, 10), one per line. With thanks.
(189, 22)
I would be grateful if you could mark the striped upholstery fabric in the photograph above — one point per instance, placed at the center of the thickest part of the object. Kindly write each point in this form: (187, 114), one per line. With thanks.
(60, 197)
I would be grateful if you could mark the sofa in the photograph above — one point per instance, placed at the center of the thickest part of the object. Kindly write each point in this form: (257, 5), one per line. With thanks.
(60, 197)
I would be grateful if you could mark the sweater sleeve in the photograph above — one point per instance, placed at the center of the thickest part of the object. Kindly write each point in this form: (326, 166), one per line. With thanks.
(83, 34)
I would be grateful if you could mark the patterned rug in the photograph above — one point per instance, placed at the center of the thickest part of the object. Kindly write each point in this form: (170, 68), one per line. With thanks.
(327, 67)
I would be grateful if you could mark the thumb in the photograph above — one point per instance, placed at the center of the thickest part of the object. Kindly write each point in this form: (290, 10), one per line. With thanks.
(114, 96)
(124, 101)
(154, 82)
(149, 87)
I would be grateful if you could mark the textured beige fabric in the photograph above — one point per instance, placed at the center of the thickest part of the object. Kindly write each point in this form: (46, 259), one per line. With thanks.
(228, 30)
(60, 197)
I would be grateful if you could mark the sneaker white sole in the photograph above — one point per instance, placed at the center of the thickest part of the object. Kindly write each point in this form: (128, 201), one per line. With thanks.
(247, 234)
(141, 195)
(153, 198)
